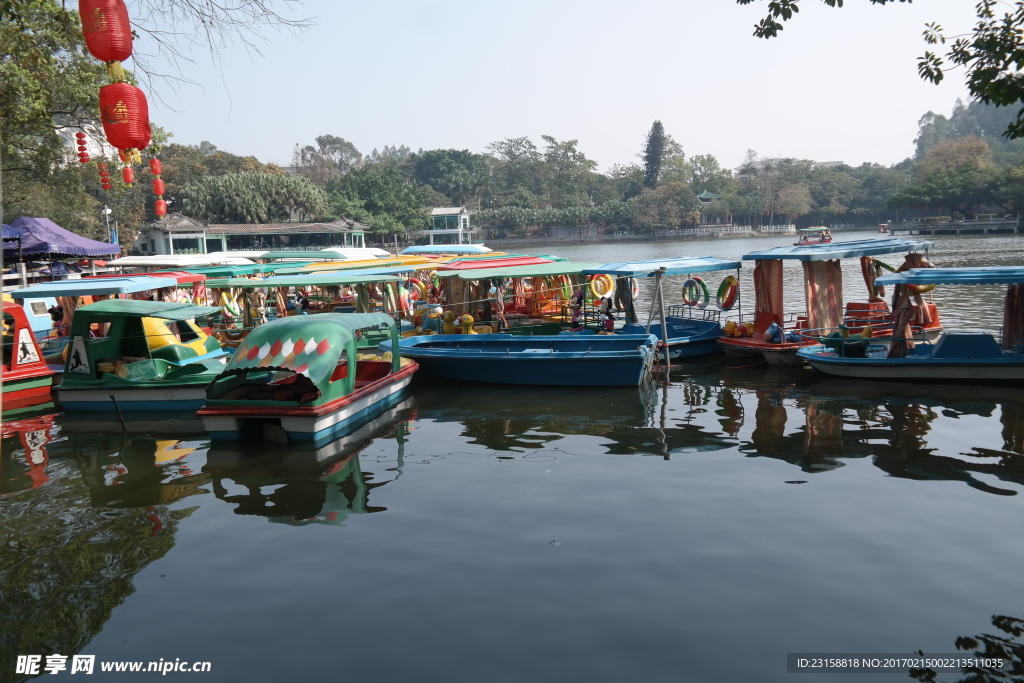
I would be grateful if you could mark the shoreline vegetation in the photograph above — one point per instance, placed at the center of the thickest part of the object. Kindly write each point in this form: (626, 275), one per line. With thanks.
(962, 166)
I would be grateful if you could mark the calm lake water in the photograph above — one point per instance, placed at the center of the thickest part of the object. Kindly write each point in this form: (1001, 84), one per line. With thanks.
(697, 529)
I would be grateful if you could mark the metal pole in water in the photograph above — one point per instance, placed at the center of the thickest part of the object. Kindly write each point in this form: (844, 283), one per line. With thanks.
(664, 327)
(117, 408)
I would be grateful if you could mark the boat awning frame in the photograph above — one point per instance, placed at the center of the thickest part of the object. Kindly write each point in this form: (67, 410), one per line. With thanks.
(990, 275)
(167, 310)
(840, 250)
(92, 287)
(538, 270)
(673, 266)
(447, 249)
(320, 280)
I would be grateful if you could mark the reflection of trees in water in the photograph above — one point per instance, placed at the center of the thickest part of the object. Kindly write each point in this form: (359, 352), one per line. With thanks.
(68, 563)
(988, 646)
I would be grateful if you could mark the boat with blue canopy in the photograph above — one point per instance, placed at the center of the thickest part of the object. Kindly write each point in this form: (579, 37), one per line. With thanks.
(685, 330)
(138, 356)
(971, 355)
(774, 336)
(304, 379)
(812, 236)
(39, 299)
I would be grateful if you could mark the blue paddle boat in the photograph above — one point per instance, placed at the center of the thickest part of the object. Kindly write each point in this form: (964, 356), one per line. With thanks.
(973, 355)
(614, 360)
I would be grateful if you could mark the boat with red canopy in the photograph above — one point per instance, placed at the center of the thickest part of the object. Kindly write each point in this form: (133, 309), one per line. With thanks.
(25, 376)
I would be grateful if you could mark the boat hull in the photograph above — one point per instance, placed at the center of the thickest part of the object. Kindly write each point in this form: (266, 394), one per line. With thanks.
(25, 392)
(537, 361)
(188, 397)
(978, 372)
(225, 424)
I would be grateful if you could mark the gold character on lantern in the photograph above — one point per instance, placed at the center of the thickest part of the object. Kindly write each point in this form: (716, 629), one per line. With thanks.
(116, 114)
(97, 21)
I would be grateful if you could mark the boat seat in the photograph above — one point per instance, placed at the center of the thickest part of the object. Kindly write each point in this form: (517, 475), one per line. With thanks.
(967, 344)
(368, 371)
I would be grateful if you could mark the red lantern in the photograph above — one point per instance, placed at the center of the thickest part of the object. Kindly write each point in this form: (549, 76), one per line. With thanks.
(108, 33)
(83, 148)
(158, 187)
(160, 207)
(128, 174)
(125, 115)
(154, 167)
(80, 135)
(106, 186)
(102, 166)
(83, 158)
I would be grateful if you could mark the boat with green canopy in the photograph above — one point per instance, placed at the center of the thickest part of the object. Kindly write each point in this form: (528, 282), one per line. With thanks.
(303, 379)
(138, 355)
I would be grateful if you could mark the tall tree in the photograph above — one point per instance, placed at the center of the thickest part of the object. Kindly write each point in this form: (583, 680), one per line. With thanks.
(654, 154)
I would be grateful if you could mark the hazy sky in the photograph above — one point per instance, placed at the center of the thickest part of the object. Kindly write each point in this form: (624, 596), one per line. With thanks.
(838, 84)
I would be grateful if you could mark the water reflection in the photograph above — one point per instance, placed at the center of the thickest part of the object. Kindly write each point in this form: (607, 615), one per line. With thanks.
(296, 485)
(648, 421)
(24, 455)
(71, 551)
(1004, 646)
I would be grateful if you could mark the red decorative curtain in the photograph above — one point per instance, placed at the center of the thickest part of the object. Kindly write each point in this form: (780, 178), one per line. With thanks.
(823, 288)
(1013, 316)
(768, 287)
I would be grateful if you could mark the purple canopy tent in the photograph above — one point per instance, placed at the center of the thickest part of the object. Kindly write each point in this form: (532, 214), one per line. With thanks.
(43, 236)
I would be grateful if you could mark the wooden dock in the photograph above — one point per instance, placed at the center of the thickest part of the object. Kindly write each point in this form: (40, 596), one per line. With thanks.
(976, 227)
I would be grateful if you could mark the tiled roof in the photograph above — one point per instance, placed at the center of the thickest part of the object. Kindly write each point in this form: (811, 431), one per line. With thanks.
(179, 223)
(447, 211)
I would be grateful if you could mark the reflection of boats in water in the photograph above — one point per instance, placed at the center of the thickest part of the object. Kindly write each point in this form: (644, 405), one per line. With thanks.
(24, 459)
(322, 485)
(177, 422)
(834, 421)
(138, 471)
(526, 419)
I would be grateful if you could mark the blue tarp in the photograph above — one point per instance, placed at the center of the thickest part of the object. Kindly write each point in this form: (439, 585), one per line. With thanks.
(991, 275)
(11, 233)
(93, 286)
(43, 236)
(673, 266)
(447, 249)
(840, 250)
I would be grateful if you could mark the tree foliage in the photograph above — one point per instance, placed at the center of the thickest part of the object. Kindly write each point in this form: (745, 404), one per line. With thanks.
(253, 198)
(654, 154)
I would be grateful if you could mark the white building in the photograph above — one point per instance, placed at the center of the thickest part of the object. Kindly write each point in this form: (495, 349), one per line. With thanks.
(449, 225)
